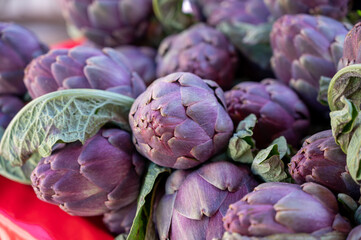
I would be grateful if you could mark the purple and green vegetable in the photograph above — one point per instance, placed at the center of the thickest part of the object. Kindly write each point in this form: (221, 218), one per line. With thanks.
(171, 140)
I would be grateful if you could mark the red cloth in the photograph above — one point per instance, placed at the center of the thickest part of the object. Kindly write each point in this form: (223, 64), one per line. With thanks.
(23, 216)
(67, 44)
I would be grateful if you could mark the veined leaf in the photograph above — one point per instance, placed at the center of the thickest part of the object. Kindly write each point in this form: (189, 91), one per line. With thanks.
(142, 227)
(62, 116)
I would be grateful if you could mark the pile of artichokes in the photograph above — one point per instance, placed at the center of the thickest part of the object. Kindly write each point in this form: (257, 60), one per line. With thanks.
(193, 119)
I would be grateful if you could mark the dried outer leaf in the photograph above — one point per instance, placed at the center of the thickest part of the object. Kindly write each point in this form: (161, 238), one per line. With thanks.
(142, 227)
(62, 116)
(241, 144)
(347, 83)
(344, 122)
(268, 163)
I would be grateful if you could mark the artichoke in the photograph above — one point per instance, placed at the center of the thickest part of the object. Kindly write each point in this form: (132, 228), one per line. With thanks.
(201, 50)
(284, 208)
(355, 234)
(246, 11)
(101, 176)
(9, 107)
(351, 47)
(322, 161)
(278, 109)
(109, 23)
(196, 201)
(142, 61)
(306, 48)
(82, 67)
(336, 9)
(18, 46)
(180, 121)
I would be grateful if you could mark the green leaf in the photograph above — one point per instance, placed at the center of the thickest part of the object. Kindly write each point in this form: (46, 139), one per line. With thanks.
(18, 174)
(142, 227)
(252, 40)
(268, 163)
(347, 83)
(62, 116)
(171, 15)
(353, 157)
(241, 144)
(343, 123)
(322, 93)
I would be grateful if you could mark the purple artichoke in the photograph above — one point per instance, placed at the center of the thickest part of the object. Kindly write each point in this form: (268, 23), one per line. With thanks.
(141, 60)
(322, 161)
(336, 9)
(306, 48)
(195, 202)
(9, 107)
(278, 109)
(101, 176)
(180, 121)
(82, 67)
(111, 22)
(355, 234)
(18, 46)
(201, 50)
(245, 11)
(284, 208)
(351, 47)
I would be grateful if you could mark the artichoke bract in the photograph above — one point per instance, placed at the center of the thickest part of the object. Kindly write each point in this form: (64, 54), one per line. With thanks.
(355, 234)
(276, 208)
(201, 50)
(322, 161)
(120, 221)
(101, 176)
(180, 121)
(278, 109)
(336, 9)
(109, 23)
(141, 60)
(82, 67)
(196, 201)
(18, 46)
(351, 47)
(9, 107)
(306, 48)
